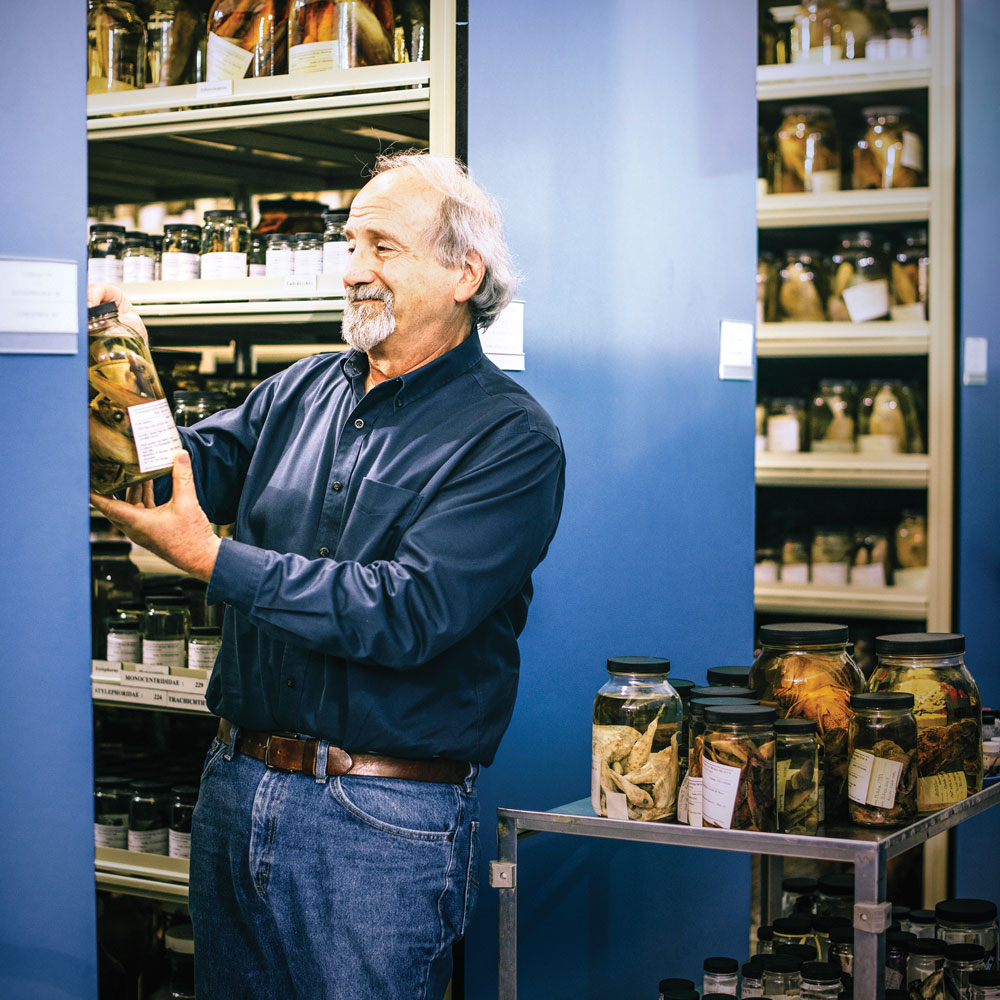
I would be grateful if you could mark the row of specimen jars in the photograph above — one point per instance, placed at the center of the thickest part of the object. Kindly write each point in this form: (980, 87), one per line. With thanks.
(864, 278)
(882, 417)
(151, 815)
(867, 555)
(848, 29)
(169, 42)
(224, 247)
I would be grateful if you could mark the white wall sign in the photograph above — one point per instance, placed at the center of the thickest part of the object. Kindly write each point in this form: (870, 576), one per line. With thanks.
(38, 306)
(736, 351)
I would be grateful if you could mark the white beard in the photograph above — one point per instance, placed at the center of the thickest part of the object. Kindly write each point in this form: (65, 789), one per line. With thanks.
(364, 326)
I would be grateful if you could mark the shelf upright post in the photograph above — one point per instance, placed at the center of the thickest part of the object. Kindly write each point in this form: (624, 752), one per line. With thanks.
(443, 88)
(872, 915)
(506, 906)
(772, 872)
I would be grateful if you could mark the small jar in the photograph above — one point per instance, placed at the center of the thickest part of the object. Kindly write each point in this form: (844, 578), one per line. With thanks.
(930, 668)
(767, 289)
(960, 961)
(257, 261)
(738, 767)
(793, 932)
(910, 544)
(920, 39)
(280, 255)
(910, 278)
(898, 46)
(841, 949)
(105, 249)
(831, 556)
(984, 985)
(781, 977)
(183, 799)
(113, 578)
(179, 942)
(203, 646)
(313, 45)
(637, 715)
(156, 242)
(890, 154)
(877, 47)
(821, 981)
(882, 773)
(247, 38)
(807, 148)
(924, 961)
(149, 817)
(676, 984)
(797, 787)
(817, 34)
(181, 260)
(364, 40)
(165, 630)
(802, 287)
(111, 805)
(765, 940)
(794, 561)
(721, 975)
(138, 258)
(797, 894)
(832, 417)
(871, 563)
(124, 642)
(921, 923)
(173, 35)
(882, 426)
(225, 244)
(335, 255)
(767, 565)
(728, 677)
(854, 28)
(786, 425)
(308, 254)
(897, 945)
(859, 280)
(116, 47)
(192, 406)
(822, 926)
(968, 921)
(835, 895)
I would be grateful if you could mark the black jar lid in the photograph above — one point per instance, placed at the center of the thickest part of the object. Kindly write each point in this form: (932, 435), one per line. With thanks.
(200, 396)
(106, 227)
(922, 917)
(222, 213)
(842, 934)
(781, 963)
(803, 952)
(110, 547)
(765, 933)
(280, 237)
(885, 111)
(753, 967)
(894, 995)
(676, 983)
(984, 977)
(821, 972)
(680, 994)
(927, 946)
(208, 631)
(638, 665)
(130, 606)
(168, 599)
(178, 227)
(719, 963)
(728, 676)
(792, 926)
(837, 884)
(965, 952)
(111, 781)
(750, 715)
(149, 785)
(127, 625)
(897, 700)
(717, 996)
(340, 215)
(682, 686)
(308, 236)
(136, 236)
(709, 691)
(966, 911)
(803, 634)
(900, 912)
(899, 939)
(824, 925)
(921, 643)
(795, 727)
(104, 309)
(697, 706)
(185, 791)
(796, 884)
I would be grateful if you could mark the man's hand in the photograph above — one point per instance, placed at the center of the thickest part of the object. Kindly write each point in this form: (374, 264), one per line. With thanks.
(127, 316)
(177, 531)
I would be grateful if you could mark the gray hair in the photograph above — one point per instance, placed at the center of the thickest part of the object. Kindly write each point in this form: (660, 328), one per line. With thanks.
(468, 220)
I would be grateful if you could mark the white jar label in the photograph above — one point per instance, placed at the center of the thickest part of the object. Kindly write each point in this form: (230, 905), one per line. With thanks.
(867, 300)
(780, 782)
(308, 261)
(765, 572)
(783, 433)
(112, 835)
(163, 652)
(839, 447)
(155, 434)
(869, 576)
(336, 258)
(912, 155)
(939, 790)
(595, 784)
(683, 800)
(124, 647)
(148, 841)
(138, 268)
(795, 573)
(104, 271)
(720, 785)
(878, 444)
(258, 270)
(279, 263)
(226, 59)
(872, 781)
(179, 844)
(202, 655)
(830, 574)
(224, 264)
(696, 787)
(313, 57)
(822, 181)
(180, 266)
(911, 312)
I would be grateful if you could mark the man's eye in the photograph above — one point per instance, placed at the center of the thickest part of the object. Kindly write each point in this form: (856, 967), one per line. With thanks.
(350, 246)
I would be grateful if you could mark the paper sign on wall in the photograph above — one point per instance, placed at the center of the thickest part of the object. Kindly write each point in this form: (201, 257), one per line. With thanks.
(736, 351)
(39, 312)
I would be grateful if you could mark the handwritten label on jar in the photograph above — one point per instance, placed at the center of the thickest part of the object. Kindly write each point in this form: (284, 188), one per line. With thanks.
(112, 834)
(155, 434)
(867, 300)
(163, 652)
(783, 433)
(148, 841)
(180, 266)
(124, 647)
(179, 844)
(224, 264)
(720, 783)
(696, 802)
(868, 576)
(104, 271)
(795, 573)
(137, 269)
(830, 574)
(872, 781)
(780, 783)
(202, 655)
(937, 791)
(313, 57)
(226, 59)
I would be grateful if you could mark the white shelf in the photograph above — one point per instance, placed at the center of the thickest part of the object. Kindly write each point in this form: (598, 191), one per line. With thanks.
(795, 340)
(834, 208)
(849, 469)
(785, 12)
(152, 876)
(846, 76)
(853, 601)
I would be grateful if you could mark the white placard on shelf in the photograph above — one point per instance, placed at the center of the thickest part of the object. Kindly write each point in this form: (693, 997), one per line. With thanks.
(39, 312)
(974, 360)
(503, 341)
(735, 351)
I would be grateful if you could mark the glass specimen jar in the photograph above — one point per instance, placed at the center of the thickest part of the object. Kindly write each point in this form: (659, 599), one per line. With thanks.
(116, 47)
(870, 559)
(308, 254)
(149, 816)
(786, 425)
(765, 940)
(968, 921)
(179, 942)
(728, 677)
(794, 560)
(166, 625)
(925, 968)
(247, 38)
(802, 287)
(960, 961)
(111, 804)
(804, 671)
(794, 931)
(930, 667)
(635, 763)
(807, 150)
(181, 260)
(132, 434)
(280, 255)
(113, 578)
(882, 773)
(889, 154)
(859, 282)
(225, 244)
(781, 976)
(854, 28)
(752, 979)
(797, 893)
(797, 781)
(257, 259)
(897, 945)
(696, 721)
(183, 799)
(313, 39)
(138, 258)
(816, 33)
(842, 948)
(920, 39)
(365, 31)
(984, 985)
(721, 975)
(104, 254)
(738, 767)
(831, 556)
(204, 644)
(920, 923)
(910, 544)
(335, 255)
(882, 426)
(835, 895)
(910, 277)
(124, 642)
(821, 981)
(173, 36)
(191, 406)
(822, 926)
(412, 38)
(831, 417)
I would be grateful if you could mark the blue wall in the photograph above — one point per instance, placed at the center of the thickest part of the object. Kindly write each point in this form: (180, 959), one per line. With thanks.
(977, 873)
(621, 144)
(47, 932)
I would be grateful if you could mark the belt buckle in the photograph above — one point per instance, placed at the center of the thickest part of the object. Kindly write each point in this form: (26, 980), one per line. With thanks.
(267, 757)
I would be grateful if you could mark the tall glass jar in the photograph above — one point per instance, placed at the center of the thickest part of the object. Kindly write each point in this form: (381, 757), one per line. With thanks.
(871, 564)
(925, 968)
(138, 258)
(111, 803)
(335, 256)
(365, 29)
(225, 244)
(842, 948)
(179, 943)
(173, 35)
(831, 417)
(968, 921)
(802, 287)
(183, 799)
(804, 671)
(149, 817)
(821, 981)
(190, 407)
(854, 28)
(984, 985)
(882, 773)
(882, 426)
(831, 556)
(798, 894)
(728, 677)
(114, 578)
(116, 47)
(910, 274)
(897, 945)
(635, 754)
(786, 425)
(166, 627)
(816, 33)
(313, 40)
(124, 642)
(181, 260)
(794, 560)
(797, 777)
(910, 545)
(930, 667)
(104, 254)
(257, 258)
(308, 254)
(132, 434)
(960, 961)
(859, 289)
(204, 644)
(247, 38)
(781, 976)
(807, 145)
(411, 41)
(889, 154)
(280, 255)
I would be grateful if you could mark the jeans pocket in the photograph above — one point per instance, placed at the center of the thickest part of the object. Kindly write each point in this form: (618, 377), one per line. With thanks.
(214, 753)
(471, 877)
(418, 810)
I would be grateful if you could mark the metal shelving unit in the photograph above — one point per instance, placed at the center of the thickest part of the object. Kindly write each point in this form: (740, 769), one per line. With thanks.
(810, 468)
(850, 601)
(849, 76)
(843, 208)
(803, 340)
(869, 850)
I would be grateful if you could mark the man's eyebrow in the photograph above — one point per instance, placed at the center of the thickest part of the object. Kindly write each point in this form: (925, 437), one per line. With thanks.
(375, 233)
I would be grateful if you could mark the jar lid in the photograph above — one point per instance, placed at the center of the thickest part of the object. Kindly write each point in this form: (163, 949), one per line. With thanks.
(927, 946)
(168, 599)
(842, 934)
(180, 939)
(185, 791)
(110, 547)
(802, 952)
(806, 109)
(781, 963)
(682, 686)
(921, 643)
(765, 933)
(638, 665)
(720, 964)
(728, 676)
(922, 917)
(124, 626)
(837, 884)
(148, 785)
(897, 700)
(226, 213)
(708, 691)
(792, 926)
(966, 911)
(339, 214)
(698, 705)
(795, 727)
(680, 994)
(206, 630)
(308, 236)
(821, 972)
(135, 236)
(803, 633)
(747, 714)
(824, 925)
(885, 111)
(676, 983)
(180, 227)
(131, 606)
(110, 781)
(798, 885)
(104, 309)
(280, 238)
(807, 254)
(717, 996)
(200, 396)
(984, 977)
(104, 227)
(965, 952)
(900, 912)
(901, 939)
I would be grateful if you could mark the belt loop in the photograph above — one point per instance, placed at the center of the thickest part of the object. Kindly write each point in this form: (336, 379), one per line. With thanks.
(231, 746)
(322, 752)
(470, 779)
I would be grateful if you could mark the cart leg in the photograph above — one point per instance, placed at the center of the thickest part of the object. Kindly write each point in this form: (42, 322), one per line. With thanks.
(772, 871)
(507, 914)
(872, 915)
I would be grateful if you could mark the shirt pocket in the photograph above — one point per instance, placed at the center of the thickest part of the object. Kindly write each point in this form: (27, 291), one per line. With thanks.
(376, 522)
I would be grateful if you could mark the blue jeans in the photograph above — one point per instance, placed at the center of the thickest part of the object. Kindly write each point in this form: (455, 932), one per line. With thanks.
(349, 888)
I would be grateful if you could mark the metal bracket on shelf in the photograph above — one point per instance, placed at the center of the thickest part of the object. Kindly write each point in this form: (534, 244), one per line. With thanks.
(503, 874)
(872, 917)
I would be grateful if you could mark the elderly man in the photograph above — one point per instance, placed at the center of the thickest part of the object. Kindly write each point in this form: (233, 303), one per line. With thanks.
(390, 506)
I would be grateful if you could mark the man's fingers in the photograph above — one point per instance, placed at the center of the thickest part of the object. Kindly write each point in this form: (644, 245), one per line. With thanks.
(183, 478)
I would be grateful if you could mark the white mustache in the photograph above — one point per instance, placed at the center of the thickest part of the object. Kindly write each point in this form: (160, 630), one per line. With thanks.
(367, 293)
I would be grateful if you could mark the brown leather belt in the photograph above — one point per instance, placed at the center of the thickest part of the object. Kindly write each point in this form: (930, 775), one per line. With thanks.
(281, 752)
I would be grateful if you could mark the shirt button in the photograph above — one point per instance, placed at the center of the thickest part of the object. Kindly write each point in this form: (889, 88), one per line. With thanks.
(290, 682)
(359, 423)
(324, 551)
(337, 486)
(399, 403)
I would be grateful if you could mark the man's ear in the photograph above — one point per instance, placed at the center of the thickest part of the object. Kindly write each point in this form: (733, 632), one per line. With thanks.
(473, 271)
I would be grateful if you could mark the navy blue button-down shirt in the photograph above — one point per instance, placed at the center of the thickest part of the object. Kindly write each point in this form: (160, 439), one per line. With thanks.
(380, 571)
